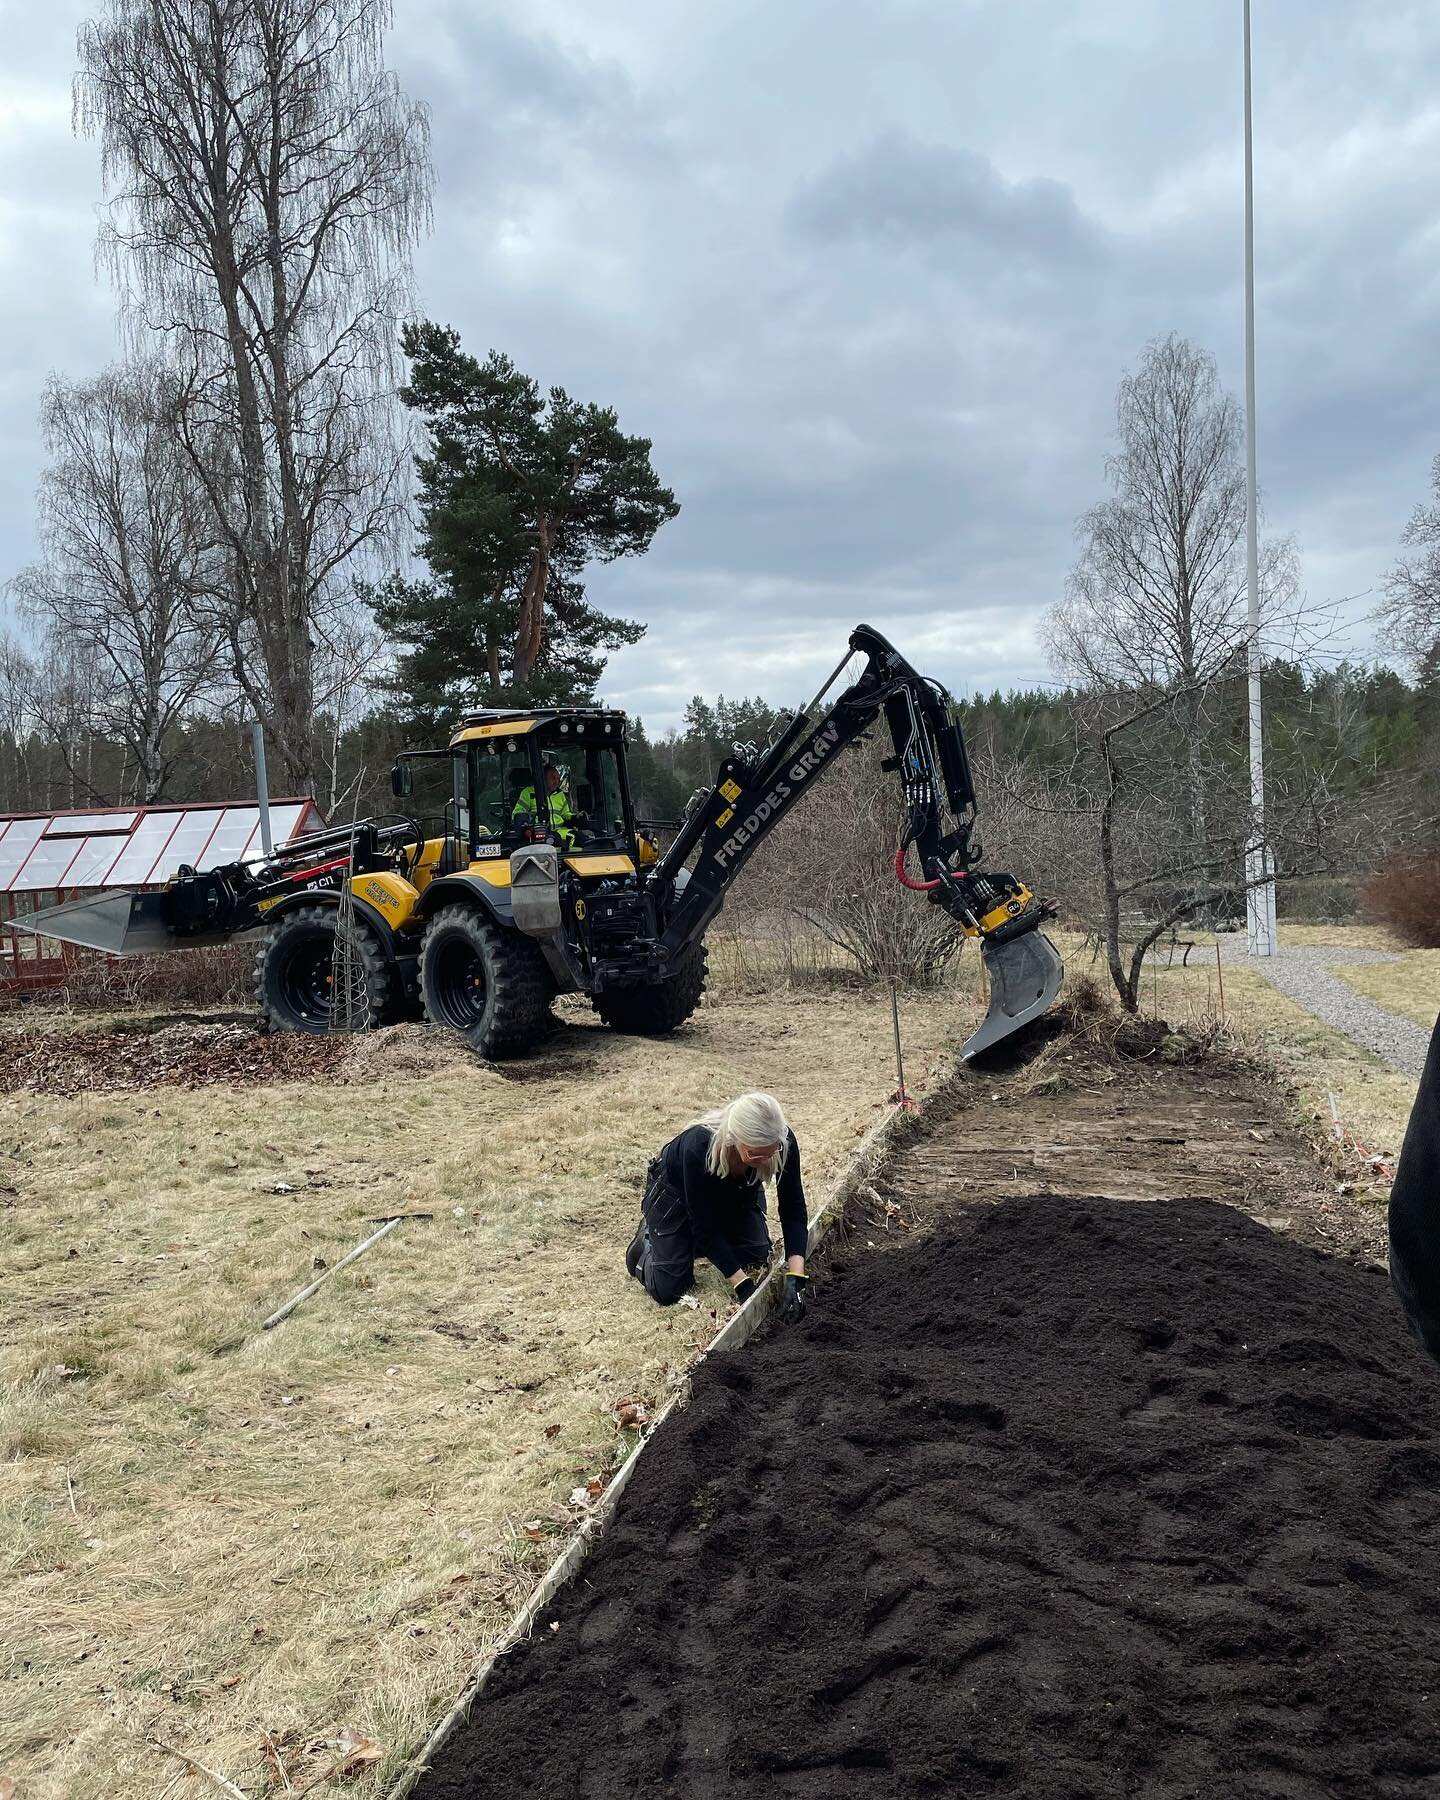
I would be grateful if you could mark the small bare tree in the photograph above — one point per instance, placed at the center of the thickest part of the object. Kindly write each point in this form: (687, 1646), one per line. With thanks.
(1113, 838)
(267, 183)
(128, 541)
(1158, 597)
(1411, 610)
(832, 866)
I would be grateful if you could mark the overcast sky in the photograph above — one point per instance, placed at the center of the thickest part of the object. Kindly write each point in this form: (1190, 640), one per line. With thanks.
(868, 274)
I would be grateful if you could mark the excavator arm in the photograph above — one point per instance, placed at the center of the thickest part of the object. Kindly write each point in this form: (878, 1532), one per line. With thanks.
(727, 822)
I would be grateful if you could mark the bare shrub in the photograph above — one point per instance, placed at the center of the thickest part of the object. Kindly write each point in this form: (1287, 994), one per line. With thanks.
(830, 869)
(1404, 893)
(219, 975)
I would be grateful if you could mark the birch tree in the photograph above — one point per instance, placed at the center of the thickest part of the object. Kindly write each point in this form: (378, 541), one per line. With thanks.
(1158, 601)
(267, 182)
(127, 542)
(1410, 613)
(1159, 594)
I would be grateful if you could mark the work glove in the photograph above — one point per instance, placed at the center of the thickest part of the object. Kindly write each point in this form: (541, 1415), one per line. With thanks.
(743, 1290)
(792, 1301)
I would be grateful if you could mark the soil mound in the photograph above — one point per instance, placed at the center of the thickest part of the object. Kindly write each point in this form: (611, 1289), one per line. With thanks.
(1069, 1499)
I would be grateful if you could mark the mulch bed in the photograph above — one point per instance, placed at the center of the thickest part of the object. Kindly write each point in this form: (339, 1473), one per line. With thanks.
(1064, 1498)
(182, 1055)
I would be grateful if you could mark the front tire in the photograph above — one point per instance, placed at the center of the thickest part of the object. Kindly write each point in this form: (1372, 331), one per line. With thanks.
(657, 1011)
(491, 985)
(294, 974)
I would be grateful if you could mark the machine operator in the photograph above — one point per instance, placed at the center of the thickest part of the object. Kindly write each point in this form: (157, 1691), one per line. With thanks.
(705, 1196)
(562, 814)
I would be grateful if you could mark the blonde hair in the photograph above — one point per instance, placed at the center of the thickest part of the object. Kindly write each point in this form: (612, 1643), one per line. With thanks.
(755, 1121)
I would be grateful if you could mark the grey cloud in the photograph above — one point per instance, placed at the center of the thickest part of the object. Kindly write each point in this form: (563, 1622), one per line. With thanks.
(902, 193)
(870, 290)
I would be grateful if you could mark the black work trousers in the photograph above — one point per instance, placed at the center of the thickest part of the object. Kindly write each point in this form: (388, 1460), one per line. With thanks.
(667, 1259)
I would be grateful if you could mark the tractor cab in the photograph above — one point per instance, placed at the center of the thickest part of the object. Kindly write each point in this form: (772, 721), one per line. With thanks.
(512, 778)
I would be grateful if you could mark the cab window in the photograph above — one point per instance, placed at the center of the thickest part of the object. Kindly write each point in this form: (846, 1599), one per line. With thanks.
(504, 793)
(590, 782)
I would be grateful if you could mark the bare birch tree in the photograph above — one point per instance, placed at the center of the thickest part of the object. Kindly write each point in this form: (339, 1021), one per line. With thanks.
(127, 542)
(1158, 600)
(267, 182)
(1411, 609)
(1158, 596)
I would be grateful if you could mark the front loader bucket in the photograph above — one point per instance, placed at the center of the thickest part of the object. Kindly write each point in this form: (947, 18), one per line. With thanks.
(1025, 976)
(122, 924)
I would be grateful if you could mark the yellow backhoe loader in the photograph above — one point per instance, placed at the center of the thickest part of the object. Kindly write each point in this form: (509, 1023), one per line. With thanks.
(540, 882)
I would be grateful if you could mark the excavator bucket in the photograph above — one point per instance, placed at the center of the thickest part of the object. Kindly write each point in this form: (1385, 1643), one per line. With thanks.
(1025, 976)
(121, 924)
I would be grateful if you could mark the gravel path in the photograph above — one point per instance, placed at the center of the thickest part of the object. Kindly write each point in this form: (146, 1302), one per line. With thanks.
(1303, 972)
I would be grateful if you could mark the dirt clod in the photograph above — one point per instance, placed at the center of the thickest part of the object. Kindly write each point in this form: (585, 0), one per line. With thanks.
(1067, 1497)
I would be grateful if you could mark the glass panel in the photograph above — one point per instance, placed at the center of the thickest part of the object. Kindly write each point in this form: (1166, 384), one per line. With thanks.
(283, 821)
(504, 794)
(590, 790)
(46, 866)
(16, 844)
(431, 800)
(229, 841)
(87, 824)
(146, 842)
(91, 866)
(188, 843)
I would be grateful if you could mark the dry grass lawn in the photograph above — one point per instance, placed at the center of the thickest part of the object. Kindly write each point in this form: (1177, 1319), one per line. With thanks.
(1409, 986)
(242, 1543)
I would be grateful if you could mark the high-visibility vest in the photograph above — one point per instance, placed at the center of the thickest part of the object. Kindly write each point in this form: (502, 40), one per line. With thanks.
(561, 811)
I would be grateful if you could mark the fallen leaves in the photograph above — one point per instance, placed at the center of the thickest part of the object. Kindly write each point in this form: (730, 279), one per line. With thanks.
(587, 1495)
(631, 1415)
(189, 1056)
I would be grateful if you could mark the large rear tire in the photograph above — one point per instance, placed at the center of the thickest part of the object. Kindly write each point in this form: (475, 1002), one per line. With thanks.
(656, 1011)
(294, 974)
(490, 984)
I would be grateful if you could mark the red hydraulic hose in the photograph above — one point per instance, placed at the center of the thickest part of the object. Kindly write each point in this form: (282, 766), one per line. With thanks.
(919, 887)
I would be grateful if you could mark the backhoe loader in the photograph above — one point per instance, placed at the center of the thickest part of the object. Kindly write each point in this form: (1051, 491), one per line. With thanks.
(540, 882)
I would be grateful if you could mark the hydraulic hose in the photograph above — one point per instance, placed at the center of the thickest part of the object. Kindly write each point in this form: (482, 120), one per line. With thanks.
(918, 887)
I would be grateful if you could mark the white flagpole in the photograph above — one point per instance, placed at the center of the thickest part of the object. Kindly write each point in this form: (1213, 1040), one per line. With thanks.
(1259, 879)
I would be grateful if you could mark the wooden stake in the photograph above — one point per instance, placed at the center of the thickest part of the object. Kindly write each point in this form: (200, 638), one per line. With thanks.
(285, 1311)
(1220, 977)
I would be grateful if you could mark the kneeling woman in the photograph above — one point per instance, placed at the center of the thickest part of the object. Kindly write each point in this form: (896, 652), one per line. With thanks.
(705, 1196)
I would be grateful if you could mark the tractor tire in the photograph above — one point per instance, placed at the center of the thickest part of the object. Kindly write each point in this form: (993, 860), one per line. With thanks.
(656, 1011)
(294, 979)
(490, 984)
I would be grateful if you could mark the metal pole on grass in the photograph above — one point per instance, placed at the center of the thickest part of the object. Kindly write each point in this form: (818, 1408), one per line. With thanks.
(262, 788)
(901, 1095)
(1259, 866)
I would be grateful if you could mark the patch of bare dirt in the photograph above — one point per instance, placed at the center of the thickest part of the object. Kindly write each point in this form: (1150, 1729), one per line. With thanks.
(127, 1059)
(1175, 1121)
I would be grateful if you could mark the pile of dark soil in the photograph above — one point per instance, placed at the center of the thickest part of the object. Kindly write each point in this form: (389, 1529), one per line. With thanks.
(191, 1055)
(1069, 1498)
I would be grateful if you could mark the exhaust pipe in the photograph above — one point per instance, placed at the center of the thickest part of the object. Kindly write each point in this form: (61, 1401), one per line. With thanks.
(1025, 976)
